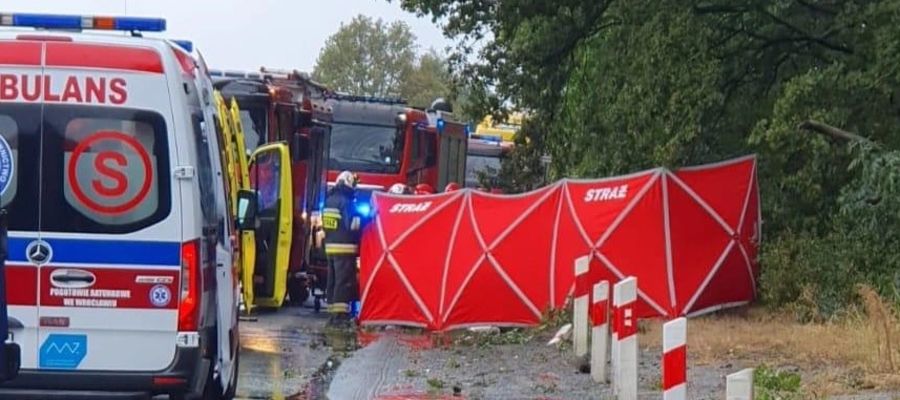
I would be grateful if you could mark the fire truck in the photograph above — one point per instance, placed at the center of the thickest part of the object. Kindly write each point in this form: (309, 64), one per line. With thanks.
(287, 126)
(385, 142)
(488, 146)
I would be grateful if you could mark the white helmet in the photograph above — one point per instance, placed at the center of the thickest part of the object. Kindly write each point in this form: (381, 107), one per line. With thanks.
(397, 188)
(347, 178)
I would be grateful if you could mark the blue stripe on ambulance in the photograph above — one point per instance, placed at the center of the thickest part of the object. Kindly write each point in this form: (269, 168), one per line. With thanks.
(86, 251)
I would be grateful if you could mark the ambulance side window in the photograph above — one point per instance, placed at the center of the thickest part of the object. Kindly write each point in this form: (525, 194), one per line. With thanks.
(204, 170)
(9, 159)
(20, 128)
(105, 170)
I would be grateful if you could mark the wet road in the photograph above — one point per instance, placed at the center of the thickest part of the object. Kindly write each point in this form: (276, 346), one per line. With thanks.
(282, 354)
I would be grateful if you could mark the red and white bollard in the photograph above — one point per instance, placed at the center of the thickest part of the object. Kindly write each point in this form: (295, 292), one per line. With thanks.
(580, 308)
(600, 331)
(625, 301)
(674, 362)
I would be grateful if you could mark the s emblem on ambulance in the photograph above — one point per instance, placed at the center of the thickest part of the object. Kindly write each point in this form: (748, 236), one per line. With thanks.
(39, 252)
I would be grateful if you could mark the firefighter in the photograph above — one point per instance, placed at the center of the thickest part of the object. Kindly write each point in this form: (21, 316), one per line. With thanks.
(424, 188)
(451, 187)
(342, 227)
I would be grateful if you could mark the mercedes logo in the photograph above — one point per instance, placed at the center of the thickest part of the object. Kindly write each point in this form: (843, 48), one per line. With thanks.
(39, 252)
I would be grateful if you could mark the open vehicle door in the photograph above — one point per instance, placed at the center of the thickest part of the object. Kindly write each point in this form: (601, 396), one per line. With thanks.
(225, 285)
(248, 237)
(270, 177)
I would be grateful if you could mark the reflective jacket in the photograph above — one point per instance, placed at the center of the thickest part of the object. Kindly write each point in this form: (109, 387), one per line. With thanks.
(341, 233)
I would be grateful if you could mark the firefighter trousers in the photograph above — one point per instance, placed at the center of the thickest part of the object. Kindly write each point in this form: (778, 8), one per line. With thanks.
(343, 284)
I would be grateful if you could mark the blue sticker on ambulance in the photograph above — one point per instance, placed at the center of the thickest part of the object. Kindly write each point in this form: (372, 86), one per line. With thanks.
(63, 351)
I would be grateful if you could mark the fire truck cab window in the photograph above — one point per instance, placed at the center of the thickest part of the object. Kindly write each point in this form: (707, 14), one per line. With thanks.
(366, 148)
(253, 121)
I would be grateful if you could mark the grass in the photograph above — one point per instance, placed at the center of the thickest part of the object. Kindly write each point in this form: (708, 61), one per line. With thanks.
(860, 351)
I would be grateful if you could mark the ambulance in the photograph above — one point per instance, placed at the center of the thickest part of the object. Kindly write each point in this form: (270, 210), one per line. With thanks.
(120, 277)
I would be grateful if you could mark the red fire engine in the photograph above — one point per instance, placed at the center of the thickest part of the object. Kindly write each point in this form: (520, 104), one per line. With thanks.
(286, 122)
(386, 142)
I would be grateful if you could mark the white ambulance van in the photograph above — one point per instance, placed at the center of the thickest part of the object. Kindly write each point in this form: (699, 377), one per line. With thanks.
(119, 277)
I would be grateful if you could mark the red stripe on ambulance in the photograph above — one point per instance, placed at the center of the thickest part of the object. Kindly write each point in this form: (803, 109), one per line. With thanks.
(114, 288)
(20, 53)
(21, 284)
(83, 55)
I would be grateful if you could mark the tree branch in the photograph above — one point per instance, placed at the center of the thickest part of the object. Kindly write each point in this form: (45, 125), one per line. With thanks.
(831, 131)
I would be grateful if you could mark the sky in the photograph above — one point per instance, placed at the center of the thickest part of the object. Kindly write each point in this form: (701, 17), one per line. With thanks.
(248, 34)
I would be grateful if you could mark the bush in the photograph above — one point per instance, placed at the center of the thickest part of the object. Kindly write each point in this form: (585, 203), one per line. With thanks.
(770, 384)
(815, 273)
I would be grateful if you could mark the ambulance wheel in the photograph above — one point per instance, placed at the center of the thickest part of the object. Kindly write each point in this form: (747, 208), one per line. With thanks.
(232, 386)
(213, 389)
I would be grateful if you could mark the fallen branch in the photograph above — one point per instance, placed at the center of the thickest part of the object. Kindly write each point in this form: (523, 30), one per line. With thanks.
(832, 131)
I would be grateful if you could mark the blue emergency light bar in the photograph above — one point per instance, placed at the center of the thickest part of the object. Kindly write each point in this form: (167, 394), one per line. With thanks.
(79, 22)
(187, 45)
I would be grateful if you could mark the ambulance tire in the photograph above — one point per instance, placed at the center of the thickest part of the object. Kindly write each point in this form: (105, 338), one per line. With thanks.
(213, 388)
(232, 386)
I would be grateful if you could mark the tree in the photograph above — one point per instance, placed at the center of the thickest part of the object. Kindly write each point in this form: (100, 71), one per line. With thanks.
(429, 79)
(367, 57)
(372, 58)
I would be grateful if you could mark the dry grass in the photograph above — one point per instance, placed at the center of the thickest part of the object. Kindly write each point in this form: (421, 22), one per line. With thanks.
(859, 352)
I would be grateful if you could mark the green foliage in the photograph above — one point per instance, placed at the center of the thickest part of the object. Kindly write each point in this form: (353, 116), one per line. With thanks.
(373, 58)
(615, 87)
(770, 384)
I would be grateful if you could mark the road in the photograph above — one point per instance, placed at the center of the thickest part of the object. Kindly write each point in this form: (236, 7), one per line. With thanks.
(283, 354)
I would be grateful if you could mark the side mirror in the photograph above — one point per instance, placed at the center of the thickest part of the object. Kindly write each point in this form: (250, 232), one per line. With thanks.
(247, 207)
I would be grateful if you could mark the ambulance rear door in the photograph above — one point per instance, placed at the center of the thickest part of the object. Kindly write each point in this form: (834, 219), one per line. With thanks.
(109, 254)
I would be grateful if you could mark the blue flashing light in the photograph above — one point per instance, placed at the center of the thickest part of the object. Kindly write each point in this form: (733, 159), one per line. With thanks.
(140, 24)
(47, 21)
(187, 45)
(440, 125)
(363, 209)
(79, 22)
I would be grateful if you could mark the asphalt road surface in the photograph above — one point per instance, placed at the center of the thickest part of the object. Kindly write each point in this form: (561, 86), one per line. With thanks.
(283, 354)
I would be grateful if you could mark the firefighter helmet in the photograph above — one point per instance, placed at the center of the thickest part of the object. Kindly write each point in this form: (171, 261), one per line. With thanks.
(397, 188)
(451, 187)
(348, 179)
